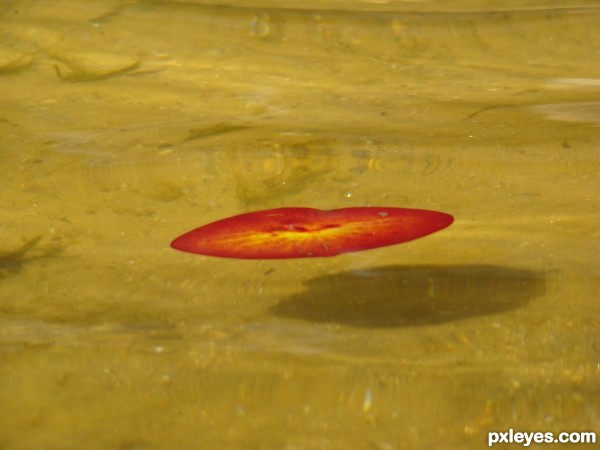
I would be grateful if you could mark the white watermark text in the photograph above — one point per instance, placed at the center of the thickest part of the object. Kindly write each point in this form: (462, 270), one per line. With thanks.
(527, 438)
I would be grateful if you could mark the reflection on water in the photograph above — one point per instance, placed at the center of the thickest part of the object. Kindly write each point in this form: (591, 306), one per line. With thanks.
(395, 296)
(586, 112)
(272, 169)
(124, 124)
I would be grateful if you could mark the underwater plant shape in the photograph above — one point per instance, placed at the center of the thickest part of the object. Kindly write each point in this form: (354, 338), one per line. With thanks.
(305, 232)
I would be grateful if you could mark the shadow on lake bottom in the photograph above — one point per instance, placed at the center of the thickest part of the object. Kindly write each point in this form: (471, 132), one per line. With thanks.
(400, 296)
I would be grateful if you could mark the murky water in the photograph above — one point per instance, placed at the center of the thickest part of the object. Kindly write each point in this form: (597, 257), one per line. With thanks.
(125, 124)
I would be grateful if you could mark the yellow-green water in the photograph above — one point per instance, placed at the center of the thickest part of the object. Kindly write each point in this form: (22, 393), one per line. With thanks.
(124, 124)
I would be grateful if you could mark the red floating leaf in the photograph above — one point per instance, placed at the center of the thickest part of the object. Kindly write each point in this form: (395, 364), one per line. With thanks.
(305, 232)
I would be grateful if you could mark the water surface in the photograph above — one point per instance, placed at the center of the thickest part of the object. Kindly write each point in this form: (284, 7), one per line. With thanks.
(126, 124)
